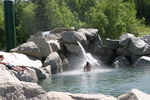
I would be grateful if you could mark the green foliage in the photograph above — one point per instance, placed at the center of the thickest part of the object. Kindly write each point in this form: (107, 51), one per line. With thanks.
(2, 35)
(112, 18)
(27, 25)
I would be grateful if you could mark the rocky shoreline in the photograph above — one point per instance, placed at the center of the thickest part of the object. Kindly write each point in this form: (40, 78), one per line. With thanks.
(44, 55)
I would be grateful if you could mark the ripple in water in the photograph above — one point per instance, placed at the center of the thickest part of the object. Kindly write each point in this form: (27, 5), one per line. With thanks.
(108, 81)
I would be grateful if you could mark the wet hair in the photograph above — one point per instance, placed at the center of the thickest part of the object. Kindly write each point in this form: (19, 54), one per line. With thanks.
(1, 56)
(88, 64)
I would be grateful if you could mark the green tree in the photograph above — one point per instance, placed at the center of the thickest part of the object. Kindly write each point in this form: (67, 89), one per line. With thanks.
(2, 34)
(112, 18)
(27, 24)
(143, 10)
(40, 14)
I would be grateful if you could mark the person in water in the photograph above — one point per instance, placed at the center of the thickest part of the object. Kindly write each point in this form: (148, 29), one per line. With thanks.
(9, 66)
(88, 67)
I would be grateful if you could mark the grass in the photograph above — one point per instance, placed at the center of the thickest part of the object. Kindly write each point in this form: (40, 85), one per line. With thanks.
(144, 30)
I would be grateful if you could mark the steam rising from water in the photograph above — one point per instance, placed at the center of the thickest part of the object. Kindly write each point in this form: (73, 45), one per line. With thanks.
(81, 72)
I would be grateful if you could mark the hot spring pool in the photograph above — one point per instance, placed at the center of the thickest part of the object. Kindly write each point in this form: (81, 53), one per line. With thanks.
(108, 81)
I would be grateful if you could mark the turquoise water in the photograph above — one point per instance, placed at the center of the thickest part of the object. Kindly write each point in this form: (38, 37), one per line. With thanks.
(108, 81)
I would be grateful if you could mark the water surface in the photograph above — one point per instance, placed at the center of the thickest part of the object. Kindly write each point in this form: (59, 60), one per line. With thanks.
(108, 81)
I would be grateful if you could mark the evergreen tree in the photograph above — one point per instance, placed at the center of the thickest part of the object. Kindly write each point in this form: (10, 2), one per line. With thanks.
(2, 34)
(112, 18)
(27, 24)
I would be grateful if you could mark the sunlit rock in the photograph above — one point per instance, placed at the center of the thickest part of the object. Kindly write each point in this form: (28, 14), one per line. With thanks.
(6, 75)
(134, 94)
(90, 33)
(28, 48)
(28, 75)
(139, 47)
(41, 43)
(125, 39)
(56, 36)
(146, 39)
(73, 48)
(55, 62)
(21, 59)
(73, 36)
(61, 29)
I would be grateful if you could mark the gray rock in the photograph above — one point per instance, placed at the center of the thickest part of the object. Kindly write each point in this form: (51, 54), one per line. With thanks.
(96, 46)
(21, 60)
(29, 75)
(21, 91)
(69, 96)
(28, 48)
(123, 51)
(90, 33)
(42, 44)
(134, 58)
(139, 47)
(65, 62)
(146, 39)
(142, 61)
(73, 36)
(112, 44)
(108, 56)
(73, 48)
(61, 29)
(6, 74)
(55, 62)
(47, 69)
(134, 94)
(56, 45)
(56, 36)
(41, 74)
(121, 61)
(125, 39)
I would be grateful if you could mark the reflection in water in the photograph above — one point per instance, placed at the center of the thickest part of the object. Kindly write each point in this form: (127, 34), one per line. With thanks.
(109, 81)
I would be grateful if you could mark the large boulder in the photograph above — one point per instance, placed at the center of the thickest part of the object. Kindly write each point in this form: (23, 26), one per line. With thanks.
(143, 61)
(112, 44)
(6, 74)
(96, 46)
(29, 75)
(56, 45)
(73, 36)
(56, 36)
(125, 39)
(61, 29)
(21, 59)
(134, 94)
(32, 91)
(146, 39)
(139, 47)
(55, 62)
(123, 51)
(121, 61)
(70, 96)
(108, 56)
(41, 43)
(21, 91)
(89, 32)
(28, 48)
(73, 48)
